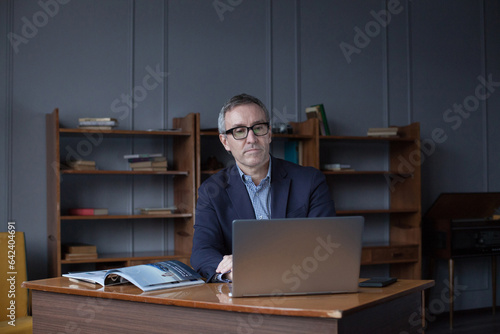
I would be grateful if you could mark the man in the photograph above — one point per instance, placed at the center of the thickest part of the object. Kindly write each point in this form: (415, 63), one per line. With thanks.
(258, 186)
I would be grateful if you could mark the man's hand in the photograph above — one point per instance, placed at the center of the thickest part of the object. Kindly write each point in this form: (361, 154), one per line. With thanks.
(226, 266)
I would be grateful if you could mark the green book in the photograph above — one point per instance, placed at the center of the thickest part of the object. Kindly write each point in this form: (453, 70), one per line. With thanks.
(321, 109)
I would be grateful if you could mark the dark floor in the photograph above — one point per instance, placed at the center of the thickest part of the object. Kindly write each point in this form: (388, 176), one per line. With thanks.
(481, 321)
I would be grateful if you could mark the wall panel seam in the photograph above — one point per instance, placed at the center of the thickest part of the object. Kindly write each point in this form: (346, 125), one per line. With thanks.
(385, 70)
(298, 59)
(165, 62)
(9, 81)
(166, 228)
(484, 69)
(132, 111)
(269, 55)
(409, 62)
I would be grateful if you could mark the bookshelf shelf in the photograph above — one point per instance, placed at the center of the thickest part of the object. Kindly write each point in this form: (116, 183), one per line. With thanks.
(123, 172)
(404, 192)
(111, 217)
(367, 139)
(374, 211)
(366, 172)
(179, 182)
(124, 132)
(131, 258)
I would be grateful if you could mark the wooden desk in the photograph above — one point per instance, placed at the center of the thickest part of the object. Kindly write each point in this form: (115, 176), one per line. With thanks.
(64, 306)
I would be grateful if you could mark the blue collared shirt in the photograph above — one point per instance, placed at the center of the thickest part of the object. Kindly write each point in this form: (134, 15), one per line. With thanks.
(259, 195)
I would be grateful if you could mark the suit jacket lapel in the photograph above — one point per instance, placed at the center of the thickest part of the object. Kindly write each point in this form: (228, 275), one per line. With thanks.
(280, 187)
(238, 194)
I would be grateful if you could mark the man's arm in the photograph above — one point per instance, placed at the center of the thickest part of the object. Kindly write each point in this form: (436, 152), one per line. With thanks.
(209, 245)
(321, 203)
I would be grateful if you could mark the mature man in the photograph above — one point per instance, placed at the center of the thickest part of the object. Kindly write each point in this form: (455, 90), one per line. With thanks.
(258, 186)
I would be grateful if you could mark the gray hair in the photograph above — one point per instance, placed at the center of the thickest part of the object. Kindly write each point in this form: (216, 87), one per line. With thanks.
(239, 100)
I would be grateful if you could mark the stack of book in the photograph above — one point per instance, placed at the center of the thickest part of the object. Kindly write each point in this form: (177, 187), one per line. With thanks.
(337, 167)
(88, 211)
(91, 123)
(318, 111)
(79, 165)
(79, 251)
(383, 132)
(147, 162)
(158, 211)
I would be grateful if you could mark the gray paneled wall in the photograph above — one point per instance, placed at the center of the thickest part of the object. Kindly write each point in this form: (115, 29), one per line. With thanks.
(372, 63)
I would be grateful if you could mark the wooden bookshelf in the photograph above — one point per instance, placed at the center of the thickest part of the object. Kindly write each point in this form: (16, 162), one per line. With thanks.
(183, 174)
(404, 249)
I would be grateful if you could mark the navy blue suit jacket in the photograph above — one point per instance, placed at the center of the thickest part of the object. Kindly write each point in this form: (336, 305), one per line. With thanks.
(296, 191)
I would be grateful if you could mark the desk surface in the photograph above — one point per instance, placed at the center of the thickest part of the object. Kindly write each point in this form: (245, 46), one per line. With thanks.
(215, 296)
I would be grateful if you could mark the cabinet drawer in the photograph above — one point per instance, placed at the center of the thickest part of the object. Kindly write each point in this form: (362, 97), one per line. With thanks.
(394, 254)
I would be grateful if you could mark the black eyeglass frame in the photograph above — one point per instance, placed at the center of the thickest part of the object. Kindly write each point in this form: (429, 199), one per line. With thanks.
(230, 131)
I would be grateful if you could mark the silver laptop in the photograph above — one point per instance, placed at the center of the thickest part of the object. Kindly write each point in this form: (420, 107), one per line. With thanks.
(296, 256)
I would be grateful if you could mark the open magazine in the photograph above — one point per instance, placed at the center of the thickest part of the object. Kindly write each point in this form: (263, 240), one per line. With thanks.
(147, 277)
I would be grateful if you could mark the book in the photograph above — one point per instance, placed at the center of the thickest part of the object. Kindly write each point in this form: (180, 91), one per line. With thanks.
(97, 123)
(147, 159)
(97, 119)
(79, 251)
(301, 153)
(79, 165)
(158, 211)
(312, 112)
(72, 163)
(336, 167)
(143, 155)
(165, 130)
(147, 277)
(149, 169)
(149, 163)
(70, 256)
(88, 211)
(292, 151)
(95, 127)
(79, 248)
(321, 110)
(382, 132)
(318, 111)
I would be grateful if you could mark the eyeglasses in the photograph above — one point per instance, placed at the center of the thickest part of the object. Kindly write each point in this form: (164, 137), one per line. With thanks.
(241, 132)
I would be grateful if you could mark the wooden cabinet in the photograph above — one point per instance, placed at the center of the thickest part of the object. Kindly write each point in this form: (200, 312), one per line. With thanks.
(386, 174)
(67, 185)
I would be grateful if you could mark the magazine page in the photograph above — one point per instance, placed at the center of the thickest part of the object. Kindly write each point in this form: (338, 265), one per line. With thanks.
(96, 277)
(154, 276)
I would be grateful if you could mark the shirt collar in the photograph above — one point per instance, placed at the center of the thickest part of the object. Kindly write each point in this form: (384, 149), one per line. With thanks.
(243, 175)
